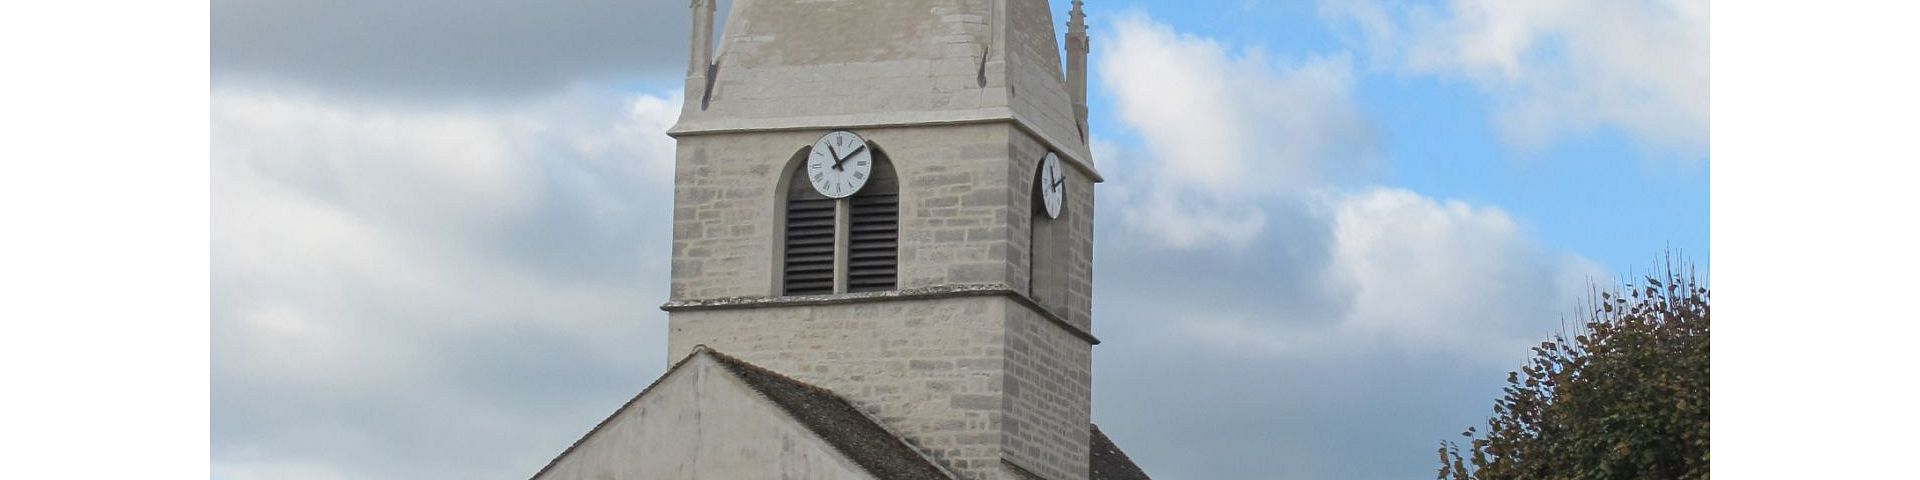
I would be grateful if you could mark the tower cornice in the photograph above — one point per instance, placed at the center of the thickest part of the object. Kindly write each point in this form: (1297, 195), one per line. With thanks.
(909, 294)
(1076, 153)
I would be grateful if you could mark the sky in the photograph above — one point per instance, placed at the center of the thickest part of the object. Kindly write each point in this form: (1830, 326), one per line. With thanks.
(1328, 230)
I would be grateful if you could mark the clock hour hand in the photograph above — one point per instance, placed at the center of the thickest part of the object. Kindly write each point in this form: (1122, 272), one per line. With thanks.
(836, 156)
(1061, 181)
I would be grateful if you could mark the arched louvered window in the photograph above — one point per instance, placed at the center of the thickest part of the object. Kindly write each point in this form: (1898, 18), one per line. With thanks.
(1046, 251)
(844, 245)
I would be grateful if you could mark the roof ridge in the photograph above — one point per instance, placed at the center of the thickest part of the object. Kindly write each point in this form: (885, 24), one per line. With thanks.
(857, 455)
(743, 370)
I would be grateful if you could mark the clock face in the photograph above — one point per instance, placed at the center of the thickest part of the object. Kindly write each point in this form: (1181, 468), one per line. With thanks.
(1053, 184)
(839, 164)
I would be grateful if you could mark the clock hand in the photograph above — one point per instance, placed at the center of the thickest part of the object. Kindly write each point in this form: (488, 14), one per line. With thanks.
(1057, 183)
(856, 151)
(837, 160)
(836, 156)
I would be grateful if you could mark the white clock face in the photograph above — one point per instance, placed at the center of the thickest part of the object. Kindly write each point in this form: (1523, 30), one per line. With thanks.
(1053, 184)
(839, 164)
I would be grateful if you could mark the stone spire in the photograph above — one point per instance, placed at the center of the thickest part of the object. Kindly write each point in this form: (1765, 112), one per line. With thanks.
(1077, 49)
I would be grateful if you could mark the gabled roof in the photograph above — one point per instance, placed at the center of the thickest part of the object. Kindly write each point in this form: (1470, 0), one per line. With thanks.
(855, 435)
(1109, 463)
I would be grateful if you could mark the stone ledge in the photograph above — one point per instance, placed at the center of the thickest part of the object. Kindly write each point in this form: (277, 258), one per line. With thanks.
(1079, 155)
(924, 293)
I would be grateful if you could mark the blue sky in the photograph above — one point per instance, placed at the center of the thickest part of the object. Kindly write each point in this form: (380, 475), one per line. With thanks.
(1598, 193)
(1594, 196)
(440, 228)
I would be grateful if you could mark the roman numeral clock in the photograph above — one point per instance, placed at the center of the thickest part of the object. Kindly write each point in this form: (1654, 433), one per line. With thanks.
(1053, 185)
(839, 164)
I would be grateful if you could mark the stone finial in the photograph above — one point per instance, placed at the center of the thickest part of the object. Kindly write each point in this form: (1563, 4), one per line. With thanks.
(1077, 48)
(701, 44)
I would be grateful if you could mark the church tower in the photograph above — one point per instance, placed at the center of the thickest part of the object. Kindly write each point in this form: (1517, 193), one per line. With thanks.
(893, 201)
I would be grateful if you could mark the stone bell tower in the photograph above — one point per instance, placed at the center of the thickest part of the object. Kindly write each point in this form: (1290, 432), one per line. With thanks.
(941, 299)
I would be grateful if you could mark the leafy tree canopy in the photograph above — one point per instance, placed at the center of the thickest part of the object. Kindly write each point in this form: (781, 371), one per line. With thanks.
(1625, 398)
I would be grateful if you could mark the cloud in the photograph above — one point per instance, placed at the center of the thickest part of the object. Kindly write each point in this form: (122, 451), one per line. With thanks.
(419, 289)
(1246, 173)
(1372, 268)
(1365, 323)
(430, 293)
(446, 48)
(1222, 127)
(1304, 315)
(1433, 275)
(1558, 69)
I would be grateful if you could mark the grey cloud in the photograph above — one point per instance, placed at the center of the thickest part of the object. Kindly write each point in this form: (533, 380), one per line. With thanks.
(1283, 275)
(395, 298)
(1188, 410)
(450, 293)
(447, 48)
(1190, 406)
(1330, 365)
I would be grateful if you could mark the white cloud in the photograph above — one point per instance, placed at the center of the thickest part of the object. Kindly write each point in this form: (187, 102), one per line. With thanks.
(1406, 272)
(393, 279)
(1560, 68)
(1225, 127)
(1449, 275)
(1237, 152)
(1374, 318)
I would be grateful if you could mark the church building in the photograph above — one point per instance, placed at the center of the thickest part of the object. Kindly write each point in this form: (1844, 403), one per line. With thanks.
(882, 253)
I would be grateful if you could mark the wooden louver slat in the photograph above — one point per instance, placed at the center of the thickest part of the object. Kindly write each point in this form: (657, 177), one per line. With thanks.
(809, 250)
(873, 244)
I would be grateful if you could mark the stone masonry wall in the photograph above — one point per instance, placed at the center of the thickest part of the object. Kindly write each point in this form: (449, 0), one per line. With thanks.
(1071, 258)
(1048, 394)
(953, 220)
(850, 59)
(969, 380)
(973, 381)
(930, 370)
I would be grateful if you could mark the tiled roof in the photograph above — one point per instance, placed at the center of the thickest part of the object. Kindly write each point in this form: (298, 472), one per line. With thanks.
(859, 437)
(1109, 463)
(856, 435)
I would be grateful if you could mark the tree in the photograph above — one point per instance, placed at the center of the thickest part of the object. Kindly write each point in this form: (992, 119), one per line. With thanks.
(1626, 398)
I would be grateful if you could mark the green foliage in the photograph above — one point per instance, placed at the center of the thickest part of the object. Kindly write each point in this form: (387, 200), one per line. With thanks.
(1625, 400)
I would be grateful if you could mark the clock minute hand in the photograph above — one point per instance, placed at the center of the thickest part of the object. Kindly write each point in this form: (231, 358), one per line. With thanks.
(856, 151)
